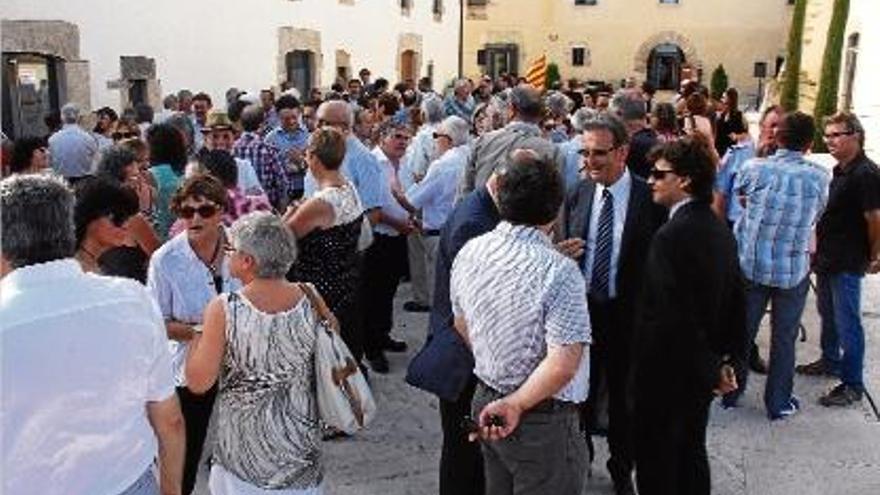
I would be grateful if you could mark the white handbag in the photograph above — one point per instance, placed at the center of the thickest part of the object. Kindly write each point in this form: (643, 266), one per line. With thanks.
(345, 401)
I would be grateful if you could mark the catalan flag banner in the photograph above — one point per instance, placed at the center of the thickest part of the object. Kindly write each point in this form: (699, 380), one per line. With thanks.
(537, 73)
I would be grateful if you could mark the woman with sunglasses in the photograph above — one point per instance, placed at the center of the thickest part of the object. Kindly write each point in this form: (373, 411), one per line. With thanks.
(259, 343)
(184, 275)
(101, 214)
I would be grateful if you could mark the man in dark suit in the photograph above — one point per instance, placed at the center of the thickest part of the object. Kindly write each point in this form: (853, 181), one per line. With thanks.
(608, 221)
(690, 332)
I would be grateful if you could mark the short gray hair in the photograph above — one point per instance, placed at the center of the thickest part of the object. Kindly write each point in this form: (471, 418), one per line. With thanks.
(458, 129)
(169, 102)
(558, 104)
(70, 113)
(527, 103)
(610, 123)
(265, 237)
(432, 109)
(581, 116)
(36, 219)
(628, 106)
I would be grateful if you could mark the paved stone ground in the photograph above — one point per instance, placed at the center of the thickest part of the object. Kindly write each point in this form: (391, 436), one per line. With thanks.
(817, 452)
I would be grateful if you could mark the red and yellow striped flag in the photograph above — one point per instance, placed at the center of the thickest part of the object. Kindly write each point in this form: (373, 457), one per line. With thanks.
(537, 73)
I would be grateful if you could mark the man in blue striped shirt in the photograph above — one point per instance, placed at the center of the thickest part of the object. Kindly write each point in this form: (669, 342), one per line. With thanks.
(783, 196)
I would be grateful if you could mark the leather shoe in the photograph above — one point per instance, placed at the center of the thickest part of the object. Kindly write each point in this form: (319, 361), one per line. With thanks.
(820, 367)
(392, 345)
(379, 363)
(414, 307)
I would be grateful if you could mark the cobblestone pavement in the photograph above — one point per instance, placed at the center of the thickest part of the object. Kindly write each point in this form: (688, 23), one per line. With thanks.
(817, 452)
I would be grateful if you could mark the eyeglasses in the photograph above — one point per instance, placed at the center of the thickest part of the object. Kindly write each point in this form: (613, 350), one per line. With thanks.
(835, 135)
(596, 152)
(204, 211)
(440, 135)
(401, 137)
(658, 174)
(124, 135)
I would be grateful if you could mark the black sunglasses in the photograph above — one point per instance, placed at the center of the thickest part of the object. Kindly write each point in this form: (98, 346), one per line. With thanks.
(124, 135)
(658, 174)
(204, 211)
(118, 219)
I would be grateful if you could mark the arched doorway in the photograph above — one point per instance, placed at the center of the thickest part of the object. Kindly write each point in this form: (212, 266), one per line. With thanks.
(664, 66)
(300, 69)
(408, 68)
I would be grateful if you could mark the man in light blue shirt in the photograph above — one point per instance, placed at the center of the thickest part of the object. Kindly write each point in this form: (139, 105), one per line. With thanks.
(72, 149)
(726, 203)
(359, 166)
(784, 194)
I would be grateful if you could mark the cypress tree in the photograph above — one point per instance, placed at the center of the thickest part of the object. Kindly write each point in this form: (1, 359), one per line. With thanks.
(826, 98)
(788, 97)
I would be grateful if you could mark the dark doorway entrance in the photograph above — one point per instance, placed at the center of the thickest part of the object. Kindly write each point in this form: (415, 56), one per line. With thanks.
(300, 67)
(31, 89)
(498, 59)
(664, 66)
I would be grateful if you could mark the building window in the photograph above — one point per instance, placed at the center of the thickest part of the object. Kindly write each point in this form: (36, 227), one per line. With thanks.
(405, 7)
(437, 9)
(585, 2)
(477, 3)
(577, 56)
(669, 1)
(849, 74)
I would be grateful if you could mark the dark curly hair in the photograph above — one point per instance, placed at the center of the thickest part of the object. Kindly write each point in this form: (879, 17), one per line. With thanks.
(22, 151)
(691, 157)
(97, 197)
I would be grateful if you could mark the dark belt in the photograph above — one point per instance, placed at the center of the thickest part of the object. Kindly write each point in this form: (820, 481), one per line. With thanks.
(431, 232)
(549, 405)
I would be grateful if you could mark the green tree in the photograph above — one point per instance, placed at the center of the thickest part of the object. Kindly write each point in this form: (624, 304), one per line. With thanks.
(826, 98)
(552, 75)
(788, 97)
(718, 83)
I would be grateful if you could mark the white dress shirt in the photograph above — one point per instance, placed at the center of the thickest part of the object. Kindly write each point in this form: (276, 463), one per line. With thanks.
(182, 286)
(435, 194)
(82, 355)
(620, 191)
(390, 206)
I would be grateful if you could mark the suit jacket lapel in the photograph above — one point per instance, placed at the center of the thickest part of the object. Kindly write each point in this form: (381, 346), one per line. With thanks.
(581, 221)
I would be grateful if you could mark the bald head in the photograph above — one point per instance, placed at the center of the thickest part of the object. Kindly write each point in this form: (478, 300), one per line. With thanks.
(336, 113)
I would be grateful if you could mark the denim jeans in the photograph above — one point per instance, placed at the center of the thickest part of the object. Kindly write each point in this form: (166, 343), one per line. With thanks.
(145, 485)
(787, 306)
(843, 337)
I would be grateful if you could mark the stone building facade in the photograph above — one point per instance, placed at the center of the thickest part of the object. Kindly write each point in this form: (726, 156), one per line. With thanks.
(106, 53)
(610, 40)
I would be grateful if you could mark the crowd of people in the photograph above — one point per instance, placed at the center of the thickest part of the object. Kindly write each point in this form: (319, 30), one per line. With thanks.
(594, 262)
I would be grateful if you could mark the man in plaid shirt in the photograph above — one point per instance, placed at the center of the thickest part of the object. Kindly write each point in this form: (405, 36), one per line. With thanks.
(275, 177)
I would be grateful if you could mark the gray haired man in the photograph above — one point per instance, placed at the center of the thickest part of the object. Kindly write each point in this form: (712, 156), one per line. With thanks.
(94, 366)
(73, 150)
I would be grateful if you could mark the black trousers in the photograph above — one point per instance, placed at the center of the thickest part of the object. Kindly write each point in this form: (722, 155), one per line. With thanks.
(196, 411)
(461, 461)
(384, 264)
(671, 448)
(609, 370)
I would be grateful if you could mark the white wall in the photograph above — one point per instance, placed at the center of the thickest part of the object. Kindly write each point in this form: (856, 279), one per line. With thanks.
(866, 99)
(210, 45)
